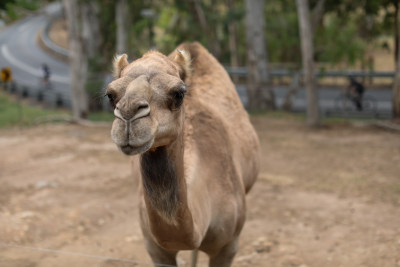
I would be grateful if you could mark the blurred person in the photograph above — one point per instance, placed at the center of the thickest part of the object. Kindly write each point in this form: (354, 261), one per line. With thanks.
(355, 92)
(46, 73)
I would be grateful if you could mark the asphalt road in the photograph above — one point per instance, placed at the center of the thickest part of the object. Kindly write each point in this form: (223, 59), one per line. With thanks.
(19, 49)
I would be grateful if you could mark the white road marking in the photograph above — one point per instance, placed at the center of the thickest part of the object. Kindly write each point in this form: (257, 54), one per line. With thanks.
(25, 67)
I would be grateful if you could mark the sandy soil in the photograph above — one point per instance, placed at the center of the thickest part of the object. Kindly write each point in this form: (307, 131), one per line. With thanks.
(324, 198)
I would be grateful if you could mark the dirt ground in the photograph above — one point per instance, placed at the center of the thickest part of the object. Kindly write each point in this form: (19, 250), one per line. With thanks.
(327, 197)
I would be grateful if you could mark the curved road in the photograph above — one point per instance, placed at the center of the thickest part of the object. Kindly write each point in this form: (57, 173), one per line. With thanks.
(19, 49)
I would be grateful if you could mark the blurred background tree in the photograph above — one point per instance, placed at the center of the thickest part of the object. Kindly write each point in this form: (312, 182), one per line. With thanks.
(307, 54)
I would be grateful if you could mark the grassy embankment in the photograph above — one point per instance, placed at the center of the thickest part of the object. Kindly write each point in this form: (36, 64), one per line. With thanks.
(15, 112)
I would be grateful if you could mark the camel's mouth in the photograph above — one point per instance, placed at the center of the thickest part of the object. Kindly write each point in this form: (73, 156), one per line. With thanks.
(133, 150)
(135, 137)
(128, 149)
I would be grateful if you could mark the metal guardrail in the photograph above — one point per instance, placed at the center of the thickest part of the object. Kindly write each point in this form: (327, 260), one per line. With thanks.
(47, 96)
(50, 97)
(242, 72)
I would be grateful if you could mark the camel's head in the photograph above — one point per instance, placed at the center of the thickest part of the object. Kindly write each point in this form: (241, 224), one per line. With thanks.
(147, 97)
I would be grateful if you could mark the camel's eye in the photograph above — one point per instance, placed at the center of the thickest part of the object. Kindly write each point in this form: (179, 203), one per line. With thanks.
(111, 98)
(178, 96)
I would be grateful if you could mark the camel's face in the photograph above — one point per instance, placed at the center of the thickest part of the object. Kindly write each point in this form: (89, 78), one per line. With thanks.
(147, 99)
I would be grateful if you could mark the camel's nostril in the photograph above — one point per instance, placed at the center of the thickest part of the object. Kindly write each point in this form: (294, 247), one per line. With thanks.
(143, 106)
(142, 110)
(117, 114)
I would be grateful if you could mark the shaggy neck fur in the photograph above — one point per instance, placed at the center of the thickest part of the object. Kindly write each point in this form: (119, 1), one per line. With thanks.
(160, 171)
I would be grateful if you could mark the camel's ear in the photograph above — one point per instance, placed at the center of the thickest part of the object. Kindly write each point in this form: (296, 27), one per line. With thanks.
(119, 63)
(182, 58)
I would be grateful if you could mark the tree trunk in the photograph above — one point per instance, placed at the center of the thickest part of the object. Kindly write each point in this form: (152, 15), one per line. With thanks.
(396, 82)
(257, 61)
(233, 41)
(307, 51)
(78, 61)
(294, 87)
(396, 30)
(122, 27)
(90, 27)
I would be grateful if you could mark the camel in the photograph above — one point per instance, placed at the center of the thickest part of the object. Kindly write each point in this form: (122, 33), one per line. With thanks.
(194, 150)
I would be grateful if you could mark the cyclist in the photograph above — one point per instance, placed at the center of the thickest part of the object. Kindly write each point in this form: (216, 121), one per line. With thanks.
(46, 73)
(355, 91)
(45, 82)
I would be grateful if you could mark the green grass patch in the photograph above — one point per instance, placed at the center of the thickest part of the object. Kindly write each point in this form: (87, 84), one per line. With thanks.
(101, 116)
(334, 120)
(18, 113)
(15, 113)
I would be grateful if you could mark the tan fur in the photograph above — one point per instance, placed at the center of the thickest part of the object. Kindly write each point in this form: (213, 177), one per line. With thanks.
(202, 157)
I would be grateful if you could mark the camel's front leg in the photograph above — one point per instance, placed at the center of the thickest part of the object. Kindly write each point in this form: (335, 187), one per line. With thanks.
(159, 255)
(225, 256)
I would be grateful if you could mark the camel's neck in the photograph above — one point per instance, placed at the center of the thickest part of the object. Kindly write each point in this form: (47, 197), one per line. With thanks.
(163, 182)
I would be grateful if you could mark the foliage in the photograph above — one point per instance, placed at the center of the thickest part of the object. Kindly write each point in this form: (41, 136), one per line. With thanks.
(338, 42)
(178, 23)
(170, 23)
(14, 9)
(137, 32)
(343, 35)
(107, 29)
(282, 32)
(4, 3)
